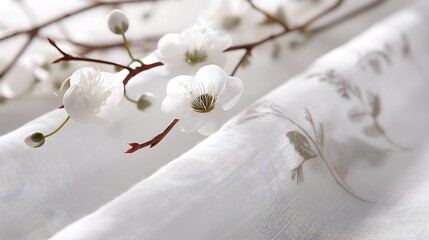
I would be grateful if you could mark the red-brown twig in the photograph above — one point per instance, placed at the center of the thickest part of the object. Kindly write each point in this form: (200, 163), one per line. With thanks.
(347, 16)
(34, 30)
(269, 16)
(68, 57)
(154, 141)
(250, 46)
(24, 47)
(84, 48)
(131, 71)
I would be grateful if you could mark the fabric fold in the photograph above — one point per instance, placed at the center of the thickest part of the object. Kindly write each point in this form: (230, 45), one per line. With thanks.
(338, 152)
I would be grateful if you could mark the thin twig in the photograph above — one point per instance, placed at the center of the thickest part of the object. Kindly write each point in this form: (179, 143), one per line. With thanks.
(245, 56)
(34, 30)
(348, 16)
(68, 57)
(250, 46)
(24, 47)
(154, 141)
(85, 48)
(69, 14)
(269, 16)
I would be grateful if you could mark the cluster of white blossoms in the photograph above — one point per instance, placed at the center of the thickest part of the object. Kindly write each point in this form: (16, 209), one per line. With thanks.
(200, 90)
(186, 52)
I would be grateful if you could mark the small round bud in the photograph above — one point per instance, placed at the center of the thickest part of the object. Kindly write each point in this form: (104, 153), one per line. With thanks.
(145, 101)
(35, 140)
(117, 21)
(3, 99)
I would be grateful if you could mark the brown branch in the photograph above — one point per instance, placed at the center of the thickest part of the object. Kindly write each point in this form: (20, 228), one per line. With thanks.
(268, 16)
(348, 16)
(69, 14)
(242, 59)
(21, 51)
(250, 46)
(34, 30)
(68, 57)
(140, 69)
(154, 141)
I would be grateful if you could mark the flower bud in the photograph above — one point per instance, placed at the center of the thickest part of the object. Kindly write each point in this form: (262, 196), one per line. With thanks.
(145, 101)
(3, 99)
(35, 140)
(117, 21)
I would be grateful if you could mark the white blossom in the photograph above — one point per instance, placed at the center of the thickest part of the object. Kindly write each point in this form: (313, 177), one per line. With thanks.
(234, 17)
(17, 82)
(117, 21)
(200, 101)
(186, 52)
(93, 96)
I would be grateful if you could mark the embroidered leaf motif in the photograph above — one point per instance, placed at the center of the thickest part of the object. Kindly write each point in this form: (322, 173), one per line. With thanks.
(357, 115)
(308, 116)
(318, 132)
(373, 59)
(303, 148)
(344, 88)
(320, 135)
(406, 48)
(373, 131)
(375, 65)
(301, 145)
(376, 106)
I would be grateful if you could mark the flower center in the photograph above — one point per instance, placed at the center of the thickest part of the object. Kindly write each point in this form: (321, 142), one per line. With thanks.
(195, 56)
(231, 22)
(204, 103)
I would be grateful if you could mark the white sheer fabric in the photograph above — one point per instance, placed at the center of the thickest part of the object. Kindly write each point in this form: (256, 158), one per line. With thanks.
(237, 184)
(338, 152)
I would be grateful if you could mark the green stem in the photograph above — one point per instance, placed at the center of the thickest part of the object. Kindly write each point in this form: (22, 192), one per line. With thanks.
(128, 98)
(127, 47)
(58, 128)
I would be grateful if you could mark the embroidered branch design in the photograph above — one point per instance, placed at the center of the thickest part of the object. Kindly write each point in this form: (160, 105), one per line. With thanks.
(306, 145)
(344, 88)
(406, 46)
(368, 108)
(374, 59)
(303, 148)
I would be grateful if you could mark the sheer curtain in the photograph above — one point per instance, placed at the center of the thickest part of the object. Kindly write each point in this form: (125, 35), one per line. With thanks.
(337, 152)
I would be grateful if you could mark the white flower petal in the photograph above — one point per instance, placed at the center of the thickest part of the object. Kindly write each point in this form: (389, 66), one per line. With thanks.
(17, 82)
(76, 77)
(213, 79)
(193, 48)
(114, 83)
(193, 122)
(177, 87)
(212, 124)
(177, 109)
(77, 105)
(231, 93)
(170, 48)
